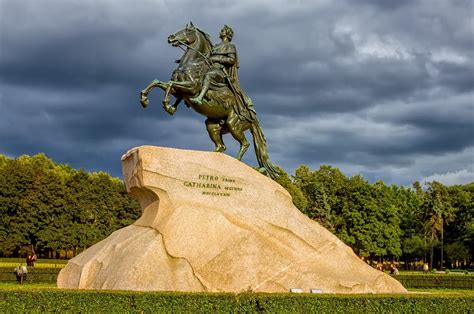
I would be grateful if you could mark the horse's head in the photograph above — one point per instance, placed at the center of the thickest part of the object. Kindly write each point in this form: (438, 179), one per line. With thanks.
(191, 36)
(188, 36)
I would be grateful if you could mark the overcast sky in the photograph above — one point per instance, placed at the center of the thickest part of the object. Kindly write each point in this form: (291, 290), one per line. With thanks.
(379, 88)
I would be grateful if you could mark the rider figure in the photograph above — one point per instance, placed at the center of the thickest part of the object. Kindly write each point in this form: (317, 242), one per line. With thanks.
(223, 72)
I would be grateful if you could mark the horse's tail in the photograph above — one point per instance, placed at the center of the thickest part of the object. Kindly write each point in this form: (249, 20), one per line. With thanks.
(260, 145)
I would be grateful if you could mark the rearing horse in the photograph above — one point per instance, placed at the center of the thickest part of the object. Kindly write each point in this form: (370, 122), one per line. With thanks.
(218, 106)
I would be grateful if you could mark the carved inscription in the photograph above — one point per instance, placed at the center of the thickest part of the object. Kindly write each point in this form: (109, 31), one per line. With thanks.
(213, 185)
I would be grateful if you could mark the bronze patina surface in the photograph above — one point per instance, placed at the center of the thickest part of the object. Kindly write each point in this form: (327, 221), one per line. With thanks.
(206, 80)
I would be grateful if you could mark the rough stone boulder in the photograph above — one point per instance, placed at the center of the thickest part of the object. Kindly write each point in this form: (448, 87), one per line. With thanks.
(212, 223)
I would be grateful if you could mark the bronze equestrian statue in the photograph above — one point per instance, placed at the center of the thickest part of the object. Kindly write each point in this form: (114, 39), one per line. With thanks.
(206, 79)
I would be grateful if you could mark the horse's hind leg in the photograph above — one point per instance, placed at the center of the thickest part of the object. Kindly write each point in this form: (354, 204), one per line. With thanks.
(214, 128)
(237, 128)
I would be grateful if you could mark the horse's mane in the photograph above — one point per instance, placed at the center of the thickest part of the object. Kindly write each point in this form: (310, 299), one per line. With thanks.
(206, 35)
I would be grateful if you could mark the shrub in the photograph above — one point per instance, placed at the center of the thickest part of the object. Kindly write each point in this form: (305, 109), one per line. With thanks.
(171, 302)
(34, 274)
(441, 281)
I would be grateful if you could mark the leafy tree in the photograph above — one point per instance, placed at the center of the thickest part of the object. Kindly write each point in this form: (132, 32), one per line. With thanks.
(363, 216)
(48, 207)
(413, 247)
(322, 189)
(457, 251)
(372, 222)
(436, 212)
(4, 161)
(26, 184)
(408, 201)
(461, 230)
(297, 195)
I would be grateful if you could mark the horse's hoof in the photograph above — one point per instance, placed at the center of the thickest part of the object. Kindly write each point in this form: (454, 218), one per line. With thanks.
(144, 101)
(171, 110)
(220, 149)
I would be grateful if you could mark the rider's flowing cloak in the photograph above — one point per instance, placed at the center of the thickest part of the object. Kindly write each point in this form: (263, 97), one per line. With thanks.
(244, 105)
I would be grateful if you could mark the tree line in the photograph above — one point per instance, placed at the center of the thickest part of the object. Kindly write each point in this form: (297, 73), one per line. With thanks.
(47, 207)
(416, 225)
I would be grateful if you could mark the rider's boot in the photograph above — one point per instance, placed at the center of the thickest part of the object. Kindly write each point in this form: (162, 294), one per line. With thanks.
(203, 92)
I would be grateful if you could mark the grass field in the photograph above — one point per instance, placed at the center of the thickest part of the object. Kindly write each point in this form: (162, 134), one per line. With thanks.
(450, 272)
(14, 286)
(443, 292)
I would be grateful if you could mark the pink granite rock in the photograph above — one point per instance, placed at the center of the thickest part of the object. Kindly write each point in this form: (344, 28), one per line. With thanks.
(212, 223)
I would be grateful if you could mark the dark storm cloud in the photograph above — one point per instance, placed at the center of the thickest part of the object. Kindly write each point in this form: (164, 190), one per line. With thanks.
(382, 88)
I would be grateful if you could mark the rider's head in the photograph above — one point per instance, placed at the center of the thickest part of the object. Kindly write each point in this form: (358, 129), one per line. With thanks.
(226, 31)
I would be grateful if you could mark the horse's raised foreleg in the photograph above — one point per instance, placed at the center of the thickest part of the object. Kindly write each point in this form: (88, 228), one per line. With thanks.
(166, 100)
(173, 87)
(185, 87)
(172, 109)
(144, 93)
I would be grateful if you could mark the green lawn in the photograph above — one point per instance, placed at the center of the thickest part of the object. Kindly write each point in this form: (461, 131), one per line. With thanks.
(450, 272)
(14, 286)
(443, 292)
